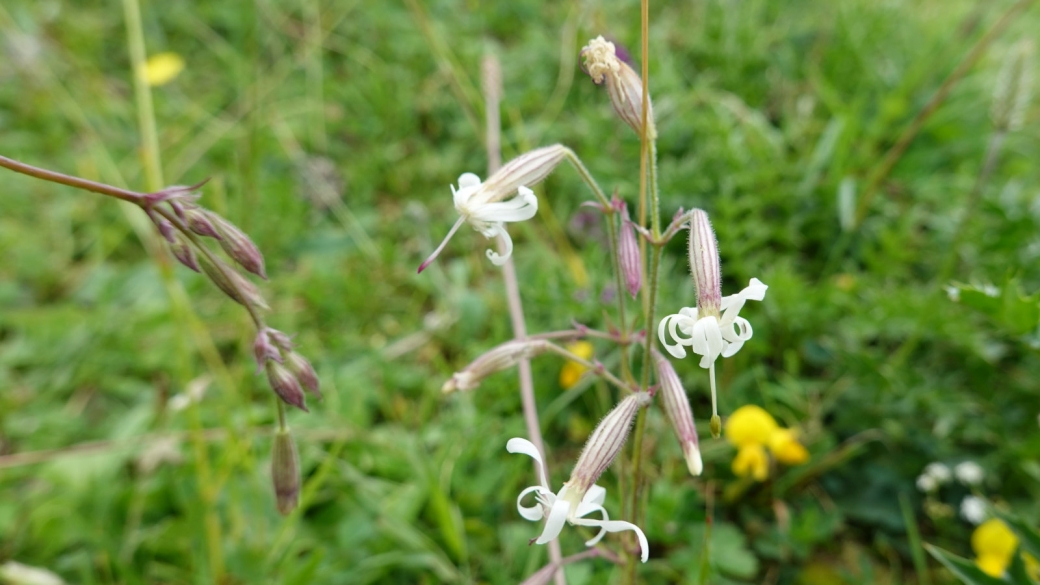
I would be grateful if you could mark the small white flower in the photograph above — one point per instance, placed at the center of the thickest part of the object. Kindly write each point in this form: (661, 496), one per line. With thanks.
(568, 505)
(938, 471)
(711, 336)
(973, 509)
(969, 473)
(926, 483)
(484, 205)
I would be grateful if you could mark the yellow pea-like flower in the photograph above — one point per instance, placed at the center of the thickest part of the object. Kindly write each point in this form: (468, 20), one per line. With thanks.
(751, 461)
(750, 425)
(994, 544)
(786, 448)
(162, 68)
(572, 371)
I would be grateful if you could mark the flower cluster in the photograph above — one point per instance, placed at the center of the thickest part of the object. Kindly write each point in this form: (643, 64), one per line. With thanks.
(752, 431)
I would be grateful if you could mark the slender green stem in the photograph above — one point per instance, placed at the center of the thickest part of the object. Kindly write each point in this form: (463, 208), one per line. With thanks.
(283, 426)
(615, 254)
(597, 368)
(587, 177)
(63, 179)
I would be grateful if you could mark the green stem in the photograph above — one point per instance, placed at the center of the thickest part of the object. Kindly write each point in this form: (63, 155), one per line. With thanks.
(597, 368)
(615, 254)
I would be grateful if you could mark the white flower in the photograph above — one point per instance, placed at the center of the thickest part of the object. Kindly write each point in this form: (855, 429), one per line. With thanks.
(484, 206)
(926, 483)
(973, 509)
(969, 473)
(567, 505)
(711, 336)
(938, 471)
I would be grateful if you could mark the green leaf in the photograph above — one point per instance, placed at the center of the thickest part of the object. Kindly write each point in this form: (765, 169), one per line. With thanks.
(962, 568)
(1013, 311)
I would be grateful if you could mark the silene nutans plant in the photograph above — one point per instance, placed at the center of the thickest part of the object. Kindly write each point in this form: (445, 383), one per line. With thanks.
(711, 328)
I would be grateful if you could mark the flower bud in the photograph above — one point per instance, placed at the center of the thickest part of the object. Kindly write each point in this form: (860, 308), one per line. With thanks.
(526, 170)
(264, 350)
(280, 339)
(184, 254)
(165, 227)
(631, 263)
(715, 426)
(494, 360)
(1013, 89)
(704, 265)
(604, 444)
(285, 385)
(198, 221)
(677, 407)
(623, 84)
(238, 246)
(232, 283)
(304, 372)
(285, 471)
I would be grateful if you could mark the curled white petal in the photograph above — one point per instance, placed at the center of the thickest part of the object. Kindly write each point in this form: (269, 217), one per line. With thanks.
(557, 517)
(618, 526)
(497, 229)
(520, 208)
(533, 513)
(675, 349)
(525, 447)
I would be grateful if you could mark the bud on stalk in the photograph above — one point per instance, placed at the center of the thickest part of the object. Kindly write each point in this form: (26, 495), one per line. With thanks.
(494, 360)
(677, 407)
(232, 283)
(704, 265)
(238, 246)
(263, 350)
(285, 385)
(198, 222)
(603, 445)
(285, 471)
(629, 259)
(184, 254)
(624, 85)
(304, 372)
(526, 170)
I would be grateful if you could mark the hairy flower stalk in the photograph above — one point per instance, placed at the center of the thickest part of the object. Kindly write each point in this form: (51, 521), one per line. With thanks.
(624, 85)
(713, 328)
(484, 206)
(680, 415)
(499, 358)
(580, 496)
(285, 471)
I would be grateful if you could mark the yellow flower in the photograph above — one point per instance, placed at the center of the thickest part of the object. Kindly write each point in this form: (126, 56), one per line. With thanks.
(750, 425)
(161, 68)
(994, 544)
(752, 461)
(786, 448)
(572, 371)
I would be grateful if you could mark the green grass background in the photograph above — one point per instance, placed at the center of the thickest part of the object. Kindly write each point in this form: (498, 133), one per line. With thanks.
(764, 109)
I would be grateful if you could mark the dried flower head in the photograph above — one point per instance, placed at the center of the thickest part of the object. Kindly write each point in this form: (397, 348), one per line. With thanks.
(623, 84)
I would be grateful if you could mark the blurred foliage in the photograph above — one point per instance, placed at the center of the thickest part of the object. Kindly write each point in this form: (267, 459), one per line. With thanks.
(331, 131)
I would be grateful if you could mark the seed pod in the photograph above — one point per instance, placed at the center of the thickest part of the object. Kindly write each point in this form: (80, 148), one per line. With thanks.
(285, 472)
(238, 246)
(624, 85)
(677, 407)
(304, 372)
(285, 385)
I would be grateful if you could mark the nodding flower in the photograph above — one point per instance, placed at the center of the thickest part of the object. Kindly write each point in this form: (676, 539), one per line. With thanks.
(484, 206)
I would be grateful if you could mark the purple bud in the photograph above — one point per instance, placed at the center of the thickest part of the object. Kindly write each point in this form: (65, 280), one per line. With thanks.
(232, 283)
(285, 385)
(280, 339)
(238, 245)
(304, 372)
(198, 222)
(631, 263)
(285, 472)
(263, 350)
(704, 265)
(183, 253)
(677, 407)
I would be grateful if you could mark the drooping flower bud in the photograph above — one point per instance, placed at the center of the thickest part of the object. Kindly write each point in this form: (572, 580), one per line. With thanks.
(285, 471)
(184, 254)
(234, 285)
(603, 445)
(304, 372)
(623, 84)
(238, 246)
(677, 407)
(704, 265)
(494, 360)
(264, 350)
(526, 170)
(165, 227)
(631, 263)
(199, 222)
(1013, 89)
(285, 385)
(280, 339)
